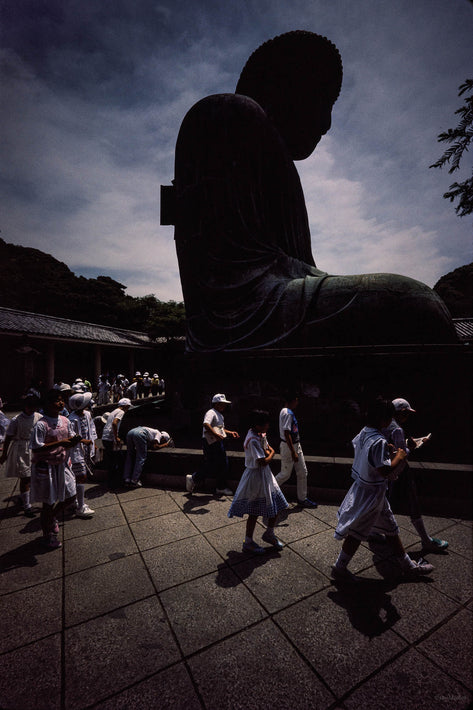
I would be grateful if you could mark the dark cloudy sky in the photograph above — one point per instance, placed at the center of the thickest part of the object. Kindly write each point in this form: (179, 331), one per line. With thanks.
(94, 91)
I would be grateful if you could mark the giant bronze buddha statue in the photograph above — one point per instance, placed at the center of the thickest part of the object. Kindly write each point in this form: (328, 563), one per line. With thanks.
(242, 235)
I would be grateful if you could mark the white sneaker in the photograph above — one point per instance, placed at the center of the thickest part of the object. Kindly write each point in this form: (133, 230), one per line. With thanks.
(421, 567)
(223, 492)
(85, 512)
(190, 484)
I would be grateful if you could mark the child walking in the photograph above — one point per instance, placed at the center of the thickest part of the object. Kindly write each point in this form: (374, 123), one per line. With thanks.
(17, 449)
(83, 453)
(258, 492)
(403, 492)
(365, 508)
(52, 481)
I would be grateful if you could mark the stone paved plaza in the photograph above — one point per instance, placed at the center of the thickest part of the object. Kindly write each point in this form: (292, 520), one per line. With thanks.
(152, 604)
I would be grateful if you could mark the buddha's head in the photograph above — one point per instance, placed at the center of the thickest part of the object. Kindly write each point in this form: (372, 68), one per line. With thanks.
(296, 78)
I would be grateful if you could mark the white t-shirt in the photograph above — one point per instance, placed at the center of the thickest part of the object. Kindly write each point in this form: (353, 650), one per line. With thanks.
(216, 421)
(107, 433)
(288, 422)
(371, 453)
(254, 451)
(150, 434)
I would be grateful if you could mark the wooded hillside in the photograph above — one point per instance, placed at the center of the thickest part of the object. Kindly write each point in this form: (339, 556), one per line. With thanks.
(31, 280)
(456, 289)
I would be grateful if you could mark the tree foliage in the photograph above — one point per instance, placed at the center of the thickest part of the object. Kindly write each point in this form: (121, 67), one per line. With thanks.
(456, 290)
(31, 280)
(460, 139)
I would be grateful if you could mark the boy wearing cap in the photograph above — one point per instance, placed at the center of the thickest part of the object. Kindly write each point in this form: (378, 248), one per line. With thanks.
(404, 489)
(138, 440)
(83, 452)
(215, 456)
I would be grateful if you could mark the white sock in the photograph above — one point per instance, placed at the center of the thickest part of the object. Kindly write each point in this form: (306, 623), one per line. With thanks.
(342, 560)
(25, 497)
(80, 489)
(406, 562)
(422, 532)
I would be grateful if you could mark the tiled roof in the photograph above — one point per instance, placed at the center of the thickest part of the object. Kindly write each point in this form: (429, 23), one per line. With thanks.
(464, 328)
(38, 325)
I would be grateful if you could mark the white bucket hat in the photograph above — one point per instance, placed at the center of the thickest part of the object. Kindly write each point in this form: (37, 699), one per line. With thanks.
(80, 400)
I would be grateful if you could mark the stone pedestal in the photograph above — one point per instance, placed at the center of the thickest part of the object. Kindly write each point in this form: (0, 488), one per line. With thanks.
(335, 385)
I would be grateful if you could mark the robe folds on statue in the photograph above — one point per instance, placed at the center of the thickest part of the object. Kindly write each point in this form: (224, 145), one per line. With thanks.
(244, 248)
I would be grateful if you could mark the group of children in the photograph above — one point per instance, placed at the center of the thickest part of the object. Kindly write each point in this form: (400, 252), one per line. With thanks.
(51, 455)
(380, 452)
(141, 386)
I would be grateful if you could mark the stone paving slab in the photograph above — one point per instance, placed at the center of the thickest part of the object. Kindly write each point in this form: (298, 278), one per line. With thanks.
(411, 681)
(167, 690)
(141, 508)
(30, 677)
(299, 524)
(24, 562)
(152, 603)
(110, 516)
(276, 585)
(210, 514)
(451, 647)
(98, 496)
(99, 547)
(207, 609)
(13, 517)
(429, 605)
(257, 668)
(344, 635)
(160, 530)
(180, 561)
(102, 588)
(453, 575)
(128, 494)
(109, 653)
(25, 620)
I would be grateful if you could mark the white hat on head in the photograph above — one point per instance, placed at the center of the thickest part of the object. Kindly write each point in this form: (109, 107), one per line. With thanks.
(155, 374)
(137, 373)
(124, 402)
(80, 400)
(402, 405)
(64, 388)
(146, 374)
(220, 398)
(164, 437)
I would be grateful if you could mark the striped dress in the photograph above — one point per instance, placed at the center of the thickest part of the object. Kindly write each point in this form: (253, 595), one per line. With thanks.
(258, 492)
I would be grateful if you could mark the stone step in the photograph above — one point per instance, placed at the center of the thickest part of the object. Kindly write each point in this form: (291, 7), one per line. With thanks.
(446, 488)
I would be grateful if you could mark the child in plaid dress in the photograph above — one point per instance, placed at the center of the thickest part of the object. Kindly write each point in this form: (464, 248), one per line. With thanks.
(258, 492)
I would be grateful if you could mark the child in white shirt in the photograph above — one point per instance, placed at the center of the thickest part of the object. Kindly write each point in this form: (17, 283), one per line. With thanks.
(258, 492)
(365, 508)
